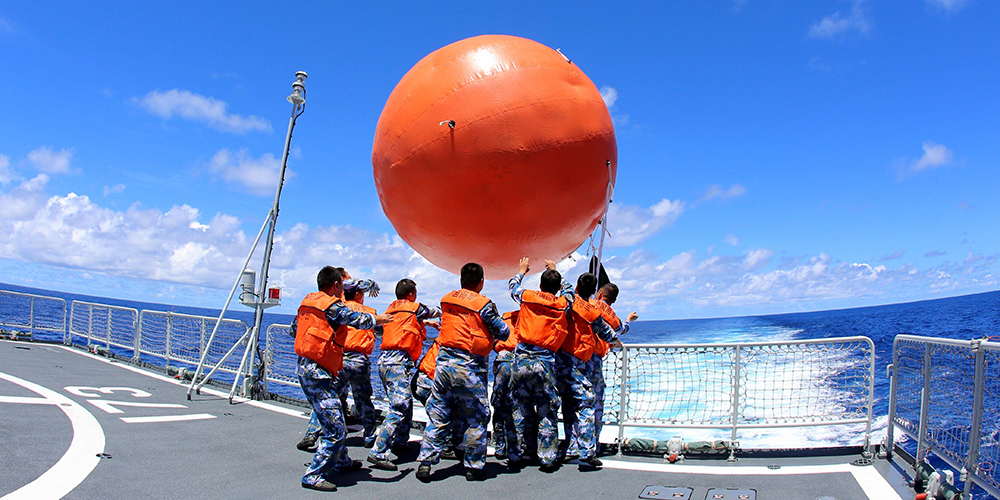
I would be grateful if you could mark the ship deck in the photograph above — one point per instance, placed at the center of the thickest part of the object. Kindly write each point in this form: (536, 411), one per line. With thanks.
(76, 425)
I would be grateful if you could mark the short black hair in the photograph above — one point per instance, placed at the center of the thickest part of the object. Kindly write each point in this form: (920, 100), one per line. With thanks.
(353, 293)
(586, 285)
(472, 274)
(328, 276)
(405, 287)
(551, 280)
(610, 292)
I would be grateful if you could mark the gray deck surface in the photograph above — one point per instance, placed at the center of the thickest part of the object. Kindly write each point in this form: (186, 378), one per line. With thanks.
(250, 451)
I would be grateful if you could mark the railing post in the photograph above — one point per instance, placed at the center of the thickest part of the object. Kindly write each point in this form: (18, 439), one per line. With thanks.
(975, 433)
(925, 403)
(736, 401)
(108, 341)
(893, 389)
(90, 323)
(136, 338)
(31, 319)
(166, 340)
(67, 338)
(622, 400)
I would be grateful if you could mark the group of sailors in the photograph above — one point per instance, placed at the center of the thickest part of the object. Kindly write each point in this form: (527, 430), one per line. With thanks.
(549, 355)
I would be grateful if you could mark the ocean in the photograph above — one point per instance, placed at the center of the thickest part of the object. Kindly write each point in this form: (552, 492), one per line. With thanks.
(964, 317)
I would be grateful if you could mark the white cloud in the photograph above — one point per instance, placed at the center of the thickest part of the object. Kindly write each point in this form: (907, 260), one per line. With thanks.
(257, 175)
(731, 239)
(947, 5)
(5, 174)
(630, 225)
(49, 161)
(197, 107)
(717, 191)
(837, 24)
(117, 188)
(935, 155)
(610, 95)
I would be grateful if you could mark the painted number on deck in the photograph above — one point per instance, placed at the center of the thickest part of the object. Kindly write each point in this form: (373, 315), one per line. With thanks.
(111, 406)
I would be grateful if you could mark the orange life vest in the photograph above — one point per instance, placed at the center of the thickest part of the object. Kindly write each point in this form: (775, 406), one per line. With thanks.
(405, 332)
(542, 319)
(429, 363)
(581, 339)
(461, 326)
(315, 338)
(362, 341)
(601, 348)
(510, 318)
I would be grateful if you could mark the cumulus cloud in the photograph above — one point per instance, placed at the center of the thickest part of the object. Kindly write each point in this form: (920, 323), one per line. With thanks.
(731, 239)
(718, 192)
(935, 155)
(257, 175)
(49, 161)
(610, 95)
(947, 5)
(837, 24)
(5, 174)
(934, 253)
(199, 108)
(117, 188)
(630, 225)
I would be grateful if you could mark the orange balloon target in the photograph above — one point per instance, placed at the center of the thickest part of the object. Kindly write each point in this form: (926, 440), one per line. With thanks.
(491, 149)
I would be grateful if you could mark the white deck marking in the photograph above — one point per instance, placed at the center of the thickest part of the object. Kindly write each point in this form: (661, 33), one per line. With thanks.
(78, 461)
(108, 408)
(166, 418)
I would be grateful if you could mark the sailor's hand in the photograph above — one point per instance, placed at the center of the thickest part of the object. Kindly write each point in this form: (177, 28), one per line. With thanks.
(523, 266)
(433, 324)
(632, 316)
(550, 265)
(382, 319)
(373, 292)
(617, 344)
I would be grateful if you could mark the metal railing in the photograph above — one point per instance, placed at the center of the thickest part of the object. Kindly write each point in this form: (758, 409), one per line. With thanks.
(748, 386)
(176, 337)
(25, 313)
(280, 355)
(101, 324)
(939, 393)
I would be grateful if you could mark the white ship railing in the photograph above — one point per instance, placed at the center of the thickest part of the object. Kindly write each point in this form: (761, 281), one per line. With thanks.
(741, 386)
(101, 324)
(280, 355)
(27, 313)
(940, 393)
(177, 337)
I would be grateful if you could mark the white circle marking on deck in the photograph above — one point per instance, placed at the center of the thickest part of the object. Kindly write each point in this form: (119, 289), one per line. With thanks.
(78, 461)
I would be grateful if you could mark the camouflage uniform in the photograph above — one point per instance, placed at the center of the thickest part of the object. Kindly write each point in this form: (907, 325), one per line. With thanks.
(458, 402)
(579, 397)
(395, 368)
(535, 400)
(504, 437)
(357, 375)
(319, 386)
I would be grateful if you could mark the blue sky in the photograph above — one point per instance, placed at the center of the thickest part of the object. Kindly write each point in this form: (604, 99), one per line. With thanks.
(773, 156)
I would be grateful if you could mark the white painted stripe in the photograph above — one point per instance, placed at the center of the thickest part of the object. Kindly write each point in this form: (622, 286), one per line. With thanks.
(78, 461)
(726, 470)
(20, 400)
(873, 484)
(166, 418)
(206, 390)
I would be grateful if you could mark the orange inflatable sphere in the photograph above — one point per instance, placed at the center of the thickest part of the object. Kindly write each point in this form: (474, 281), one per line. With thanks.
(491, 149)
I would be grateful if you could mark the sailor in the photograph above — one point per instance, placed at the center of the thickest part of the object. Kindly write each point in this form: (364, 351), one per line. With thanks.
(578, 400)
(320, 330)
(603, 300)
(542, 328)
(359, 345)
(504, 437)
(421, 388)
(469, 324)
(402, 343)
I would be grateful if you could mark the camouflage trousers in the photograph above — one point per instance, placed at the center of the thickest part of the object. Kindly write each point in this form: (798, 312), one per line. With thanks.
(595, 372)
(504, 437)
(458, 400)
(577, 405)
(395, 368)
(421, 387)
(536, 402)
(319, 387)
(357, 376)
